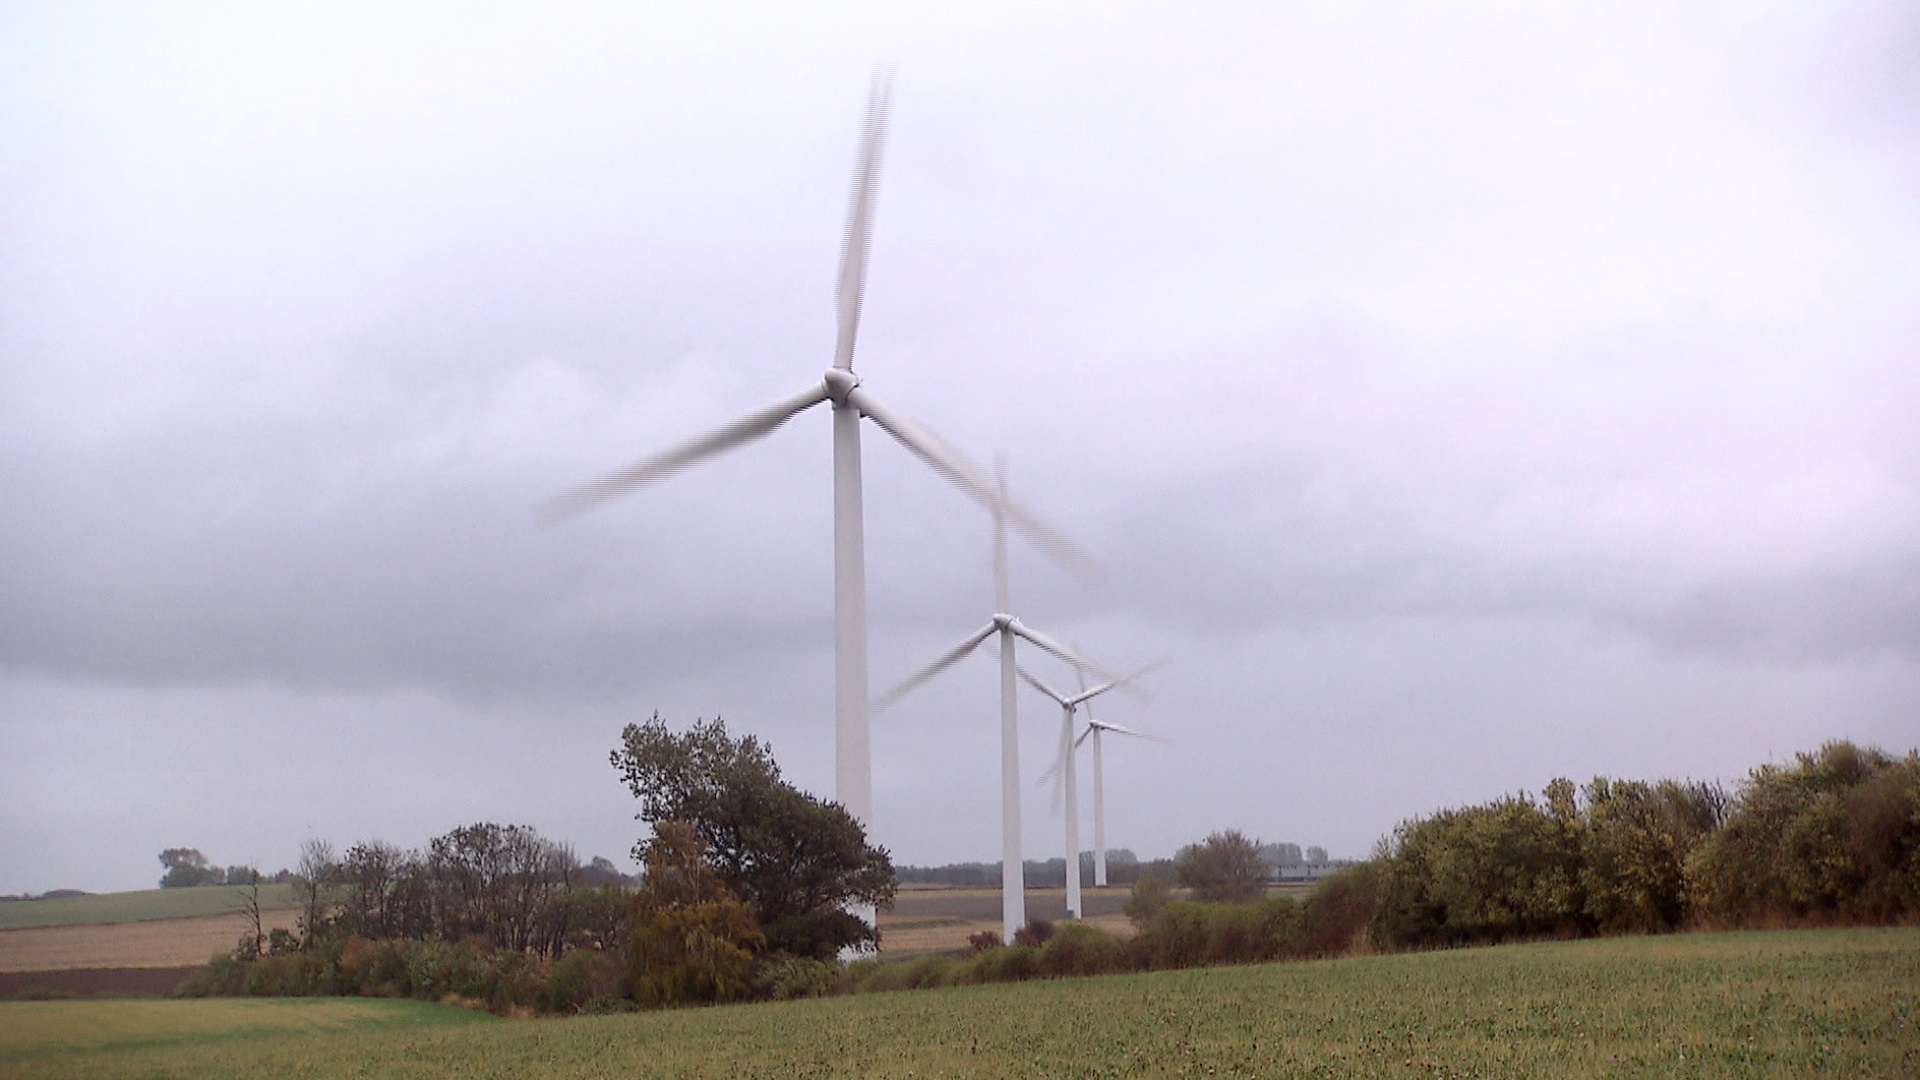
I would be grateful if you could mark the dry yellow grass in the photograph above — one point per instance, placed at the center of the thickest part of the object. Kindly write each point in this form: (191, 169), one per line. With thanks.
(159, 943)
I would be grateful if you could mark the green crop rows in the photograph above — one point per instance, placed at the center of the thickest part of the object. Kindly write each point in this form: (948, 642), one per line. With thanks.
(1803, 1003)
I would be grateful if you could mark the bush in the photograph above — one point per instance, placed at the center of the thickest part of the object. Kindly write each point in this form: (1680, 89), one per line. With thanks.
(985, 939)
(1225, 868)
(1035, 933)
(919, 973)
(783, 976)
(1080, 949)
(1008, 963)
(1337, 914)
(1150, 894)
(579, 977)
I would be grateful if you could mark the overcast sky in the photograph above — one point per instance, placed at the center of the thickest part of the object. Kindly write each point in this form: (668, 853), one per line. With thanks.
(1462, 398)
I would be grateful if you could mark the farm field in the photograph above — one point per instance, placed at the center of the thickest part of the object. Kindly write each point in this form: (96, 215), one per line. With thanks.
(1797, 1003)
(139, 905)
(157, 943)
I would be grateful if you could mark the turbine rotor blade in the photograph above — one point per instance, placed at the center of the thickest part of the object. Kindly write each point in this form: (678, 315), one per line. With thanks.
(852, 286)
(1040, 686)
(1120, 683)
(946, 660)
(967, 476)
(1118, 730)
(753, 426)
(1061, 651)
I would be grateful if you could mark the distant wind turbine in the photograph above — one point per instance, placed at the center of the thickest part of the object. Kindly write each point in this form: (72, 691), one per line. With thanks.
(1094, 730)
(1063, 769)
(853, 771)
(1013, 895)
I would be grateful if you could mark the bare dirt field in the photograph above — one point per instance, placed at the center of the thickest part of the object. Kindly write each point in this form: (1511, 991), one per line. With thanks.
(95, 982)
(159, 943)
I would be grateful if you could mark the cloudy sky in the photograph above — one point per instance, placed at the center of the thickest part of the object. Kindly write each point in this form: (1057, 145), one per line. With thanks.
(1461, 398)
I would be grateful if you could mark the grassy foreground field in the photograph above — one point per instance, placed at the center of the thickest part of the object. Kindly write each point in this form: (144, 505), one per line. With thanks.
(137, 906)
(1815, 1003)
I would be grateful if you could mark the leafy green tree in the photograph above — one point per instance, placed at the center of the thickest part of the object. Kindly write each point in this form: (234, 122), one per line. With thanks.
(1635, 846)
(187, 867)
(692, 939)
(1226, 866)
(1502, 870)
(1835, 834)
(796, 861)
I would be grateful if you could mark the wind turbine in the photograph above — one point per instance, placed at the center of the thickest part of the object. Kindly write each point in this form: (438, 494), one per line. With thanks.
(1094, 730)
(1063, 769)
(839, 386)
(1013, 883)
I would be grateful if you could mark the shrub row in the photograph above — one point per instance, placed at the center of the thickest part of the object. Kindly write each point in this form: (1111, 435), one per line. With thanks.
(1833, 837)
(1332, 921)
(470, 971)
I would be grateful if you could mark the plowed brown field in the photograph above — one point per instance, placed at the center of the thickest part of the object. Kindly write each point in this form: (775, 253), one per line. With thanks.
(156, 944)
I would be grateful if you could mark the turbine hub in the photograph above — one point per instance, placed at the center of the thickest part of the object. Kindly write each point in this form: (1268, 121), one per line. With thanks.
(840, 382)
(1003, 621)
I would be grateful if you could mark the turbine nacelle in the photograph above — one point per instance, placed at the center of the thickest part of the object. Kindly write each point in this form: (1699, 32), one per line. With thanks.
(839, 382)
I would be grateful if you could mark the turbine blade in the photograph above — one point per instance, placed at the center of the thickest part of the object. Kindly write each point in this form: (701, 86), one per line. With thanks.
(852, 286)
(967, 476)
(744, 430)
(1061, 651)
(1121, 683)
(1084, 736)
(1038, 685)
(1118, 730)
(946, 660)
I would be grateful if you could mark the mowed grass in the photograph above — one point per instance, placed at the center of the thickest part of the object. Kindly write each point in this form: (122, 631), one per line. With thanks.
(1815, 1003)
(137, 906)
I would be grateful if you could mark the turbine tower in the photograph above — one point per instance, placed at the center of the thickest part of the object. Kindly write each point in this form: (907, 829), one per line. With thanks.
(1013, 893)
(1063, 769)
(839, 386)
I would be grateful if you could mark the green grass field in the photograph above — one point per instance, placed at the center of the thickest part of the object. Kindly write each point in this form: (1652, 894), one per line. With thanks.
(139, 906)
(1812, 1003)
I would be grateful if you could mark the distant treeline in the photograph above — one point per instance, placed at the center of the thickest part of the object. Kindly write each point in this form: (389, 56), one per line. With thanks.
(1123, 868)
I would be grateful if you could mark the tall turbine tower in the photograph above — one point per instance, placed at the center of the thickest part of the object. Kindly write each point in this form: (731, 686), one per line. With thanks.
(1013, 893)
(1063, 771)
(839, 386)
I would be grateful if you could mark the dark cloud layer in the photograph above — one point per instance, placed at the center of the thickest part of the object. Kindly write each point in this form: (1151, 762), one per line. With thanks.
(1462, 399)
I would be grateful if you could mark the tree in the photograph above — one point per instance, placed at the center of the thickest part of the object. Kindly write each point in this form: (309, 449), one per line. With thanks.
(1317, 855)
(497, 881)
(1281, 856)
(692, 938)
(1226, 866)
(313, 884)
(187, 867)
(1836, 833)
(796, 861)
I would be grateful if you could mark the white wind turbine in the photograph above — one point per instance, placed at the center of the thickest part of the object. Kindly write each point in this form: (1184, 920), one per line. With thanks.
(1013, 885)
(1063, 771)
(1094, 730)
(853, 772)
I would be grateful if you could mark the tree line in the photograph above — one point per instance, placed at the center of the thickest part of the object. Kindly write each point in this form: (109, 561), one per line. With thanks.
(749, 888)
